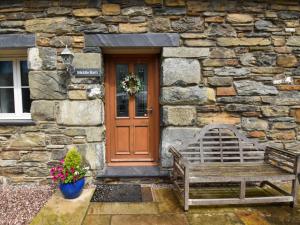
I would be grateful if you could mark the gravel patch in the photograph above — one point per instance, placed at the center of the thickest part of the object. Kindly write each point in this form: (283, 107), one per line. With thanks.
(19, 204)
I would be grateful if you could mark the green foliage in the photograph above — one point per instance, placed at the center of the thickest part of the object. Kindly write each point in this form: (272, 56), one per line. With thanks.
(73, 158)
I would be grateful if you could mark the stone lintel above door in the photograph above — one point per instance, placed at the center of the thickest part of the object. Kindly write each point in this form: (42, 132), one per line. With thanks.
(132, 40)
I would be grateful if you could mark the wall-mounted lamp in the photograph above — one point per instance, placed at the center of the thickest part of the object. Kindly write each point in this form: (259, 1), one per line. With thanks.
(67, 57)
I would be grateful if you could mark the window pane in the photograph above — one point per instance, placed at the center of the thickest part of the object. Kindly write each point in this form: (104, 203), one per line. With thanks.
(7, 100)
(26, 100)
(24, 73)
(122, 97)
(6, 74)
(141, 96)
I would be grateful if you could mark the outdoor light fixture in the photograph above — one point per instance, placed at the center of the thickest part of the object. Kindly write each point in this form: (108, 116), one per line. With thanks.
(67, 57)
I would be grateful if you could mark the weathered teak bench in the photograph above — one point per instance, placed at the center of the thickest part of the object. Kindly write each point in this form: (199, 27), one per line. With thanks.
(222, 154)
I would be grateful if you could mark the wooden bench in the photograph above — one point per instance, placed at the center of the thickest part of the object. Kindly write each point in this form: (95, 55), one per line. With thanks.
(222, 154)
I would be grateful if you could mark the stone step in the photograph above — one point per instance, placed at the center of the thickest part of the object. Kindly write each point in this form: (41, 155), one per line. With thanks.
(133, 172)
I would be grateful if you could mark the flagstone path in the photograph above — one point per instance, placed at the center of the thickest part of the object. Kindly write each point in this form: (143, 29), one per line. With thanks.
(164, 210)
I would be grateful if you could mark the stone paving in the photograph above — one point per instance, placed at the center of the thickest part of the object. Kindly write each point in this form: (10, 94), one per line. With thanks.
(165, 209)
(60, 211)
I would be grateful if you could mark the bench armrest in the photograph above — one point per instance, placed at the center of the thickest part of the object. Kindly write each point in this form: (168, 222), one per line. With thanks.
(285, 152)
(178, 157)
(284, 159)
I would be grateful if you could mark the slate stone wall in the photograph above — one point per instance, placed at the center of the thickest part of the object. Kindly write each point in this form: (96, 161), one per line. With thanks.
(222, 72)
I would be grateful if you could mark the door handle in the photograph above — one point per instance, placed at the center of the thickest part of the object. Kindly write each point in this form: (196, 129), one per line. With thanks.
(149, 110)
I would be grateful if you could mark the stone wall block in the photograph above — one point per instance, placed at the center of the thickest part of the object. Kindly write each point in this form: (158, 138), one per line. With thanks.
(88, 12)
(239, 18)
(215, 118)
(283, 98)
(93, 155)
(232, 71)
(253, 123)
(294, 41)
(42, 110)
(111, 9)
(57, 25)
(36, 156)
(95, 134)
(179, 115)
(31, 139)
(160, 24)
(133, 28)
(222, 53)
(180, 71)
(185, 52)
(88, 60)
(47, 85)
(188, 24)
(177, 137)
(77, 94)
(137, 11)
(193, 95)
(248, 87)
(58, 11)
(271, 111)
(42, 58)
(220, 81)
(221, 30)
(85, 113)
(224, 41)
(287, 61)
(34, 60)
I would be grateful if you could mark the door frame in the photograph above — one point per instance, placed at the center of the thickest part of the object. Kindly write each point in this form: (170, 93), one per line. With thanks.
(108, 62)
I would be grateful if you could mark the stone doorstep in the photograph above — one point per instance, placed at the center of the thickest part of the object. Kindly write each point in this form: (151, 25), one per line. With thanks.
(135, 171)
(61, 211)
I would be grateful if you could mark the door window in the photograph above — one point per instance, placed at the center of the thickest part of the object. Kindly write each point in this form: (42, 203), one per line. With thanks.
(142, 96)
(122, 97)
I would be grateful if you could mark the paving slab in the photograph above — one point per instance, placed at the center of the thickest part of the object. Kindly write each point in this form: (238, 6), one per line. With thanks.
(161, 219)
(116, 208)
(94, 219)
(167, 200)
(60, 211)
(228, 218)
(257, 214)
(252, 218)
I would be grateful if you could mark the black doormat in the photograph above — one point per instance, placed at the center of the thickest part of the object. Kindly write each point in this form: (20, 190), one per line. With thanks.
(117, 193)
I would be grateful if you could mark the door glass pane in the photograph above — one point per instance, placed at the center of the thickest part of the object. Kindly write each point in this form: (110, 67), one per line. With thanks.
(24, 73)
(141, 96)
(6, 74)
(7, 100)
(26, 100)
(122, 97)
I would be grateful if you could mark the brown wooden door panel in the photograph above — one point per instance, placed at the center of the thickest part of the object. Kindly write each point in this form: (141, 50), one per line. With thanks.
(132, 129)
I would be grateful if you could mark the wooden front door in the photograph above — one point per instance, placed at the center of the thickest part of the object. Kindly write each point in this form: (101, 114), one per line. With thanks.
(132, 122)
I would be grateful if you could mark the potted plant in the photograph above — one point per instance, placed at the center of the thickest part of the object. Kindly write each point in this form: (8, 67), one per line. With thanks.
(70, 174)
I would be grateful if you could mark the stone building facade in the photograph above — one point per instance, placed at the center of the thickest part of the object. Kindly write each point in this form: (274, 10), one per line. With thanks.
(218, 64)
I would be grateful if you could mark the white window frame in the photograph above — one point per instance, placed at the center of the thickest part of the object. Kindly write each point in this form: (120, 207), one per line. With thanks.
(18, 102)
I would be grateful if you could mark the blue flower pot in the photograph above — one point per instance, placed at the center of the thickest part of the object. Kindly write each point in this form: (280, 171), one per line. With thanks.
(72, 190)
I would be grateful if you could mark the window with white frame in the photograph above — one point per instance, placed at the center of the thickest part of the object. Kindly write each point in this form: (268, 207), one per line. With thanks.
(14, 89)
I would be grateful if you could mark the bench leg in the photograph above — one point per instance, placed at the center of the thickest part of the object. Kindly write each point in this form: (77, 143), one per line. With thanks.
(295, 187)
(186, 189)
(243, 190)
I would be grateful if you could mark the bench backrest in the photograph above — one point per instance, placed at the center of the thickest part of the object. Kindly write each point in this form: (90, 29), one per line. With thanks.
(223, 143)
